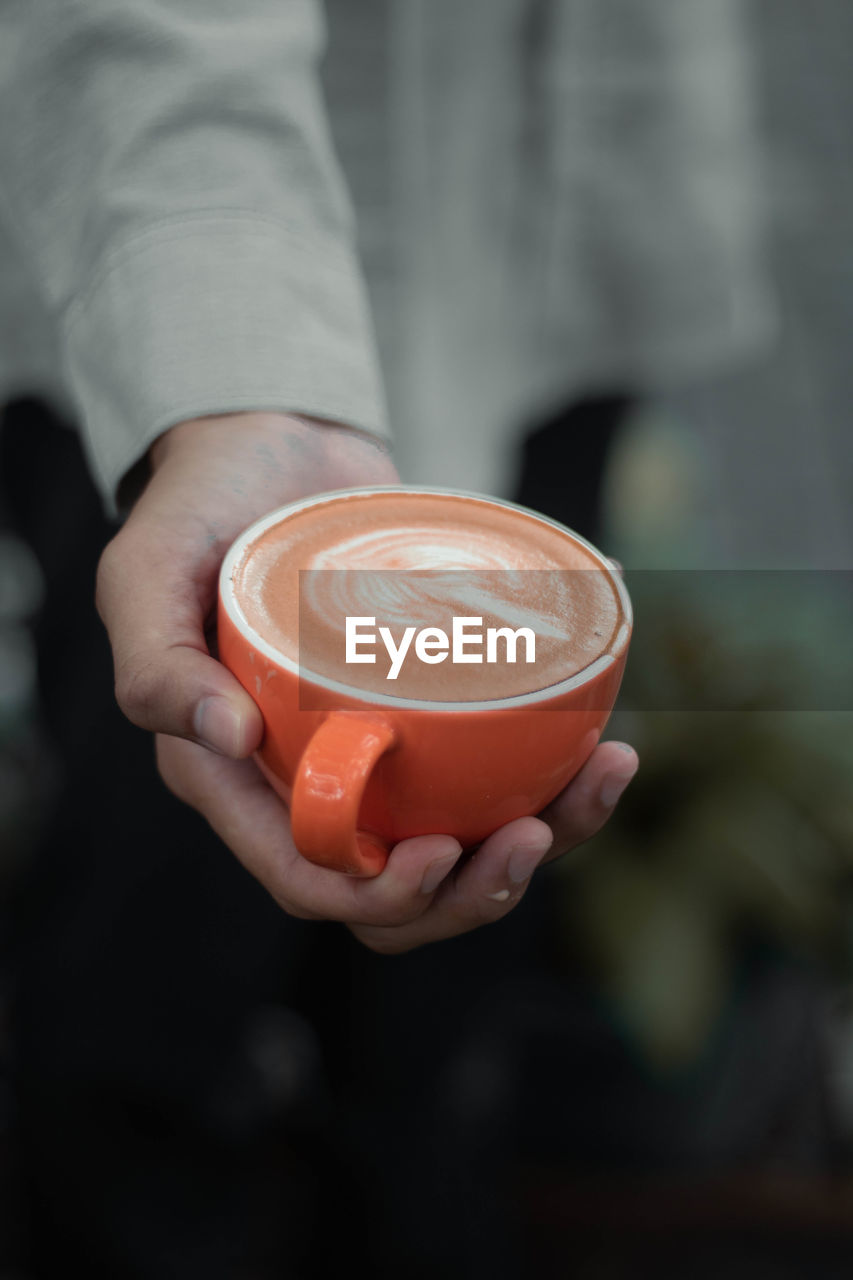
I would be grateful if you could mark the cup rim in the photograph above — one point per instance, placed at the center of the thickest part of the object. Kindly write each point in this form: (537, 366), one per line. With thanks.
(228, 600)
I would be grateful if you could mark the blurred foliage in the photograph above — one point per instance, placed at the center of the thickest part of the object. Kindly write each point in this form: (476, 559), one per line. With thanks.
(739, 824)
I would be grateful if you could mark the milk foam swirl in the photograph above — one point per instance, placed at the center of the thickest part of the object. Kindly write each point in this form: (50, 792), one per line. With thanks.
(412, 577)
(417, 561)
(412, 548)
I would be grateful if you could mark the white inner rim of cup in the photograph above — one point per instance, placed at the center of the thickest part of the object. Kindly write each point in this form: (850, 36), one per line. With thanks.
(237, 550)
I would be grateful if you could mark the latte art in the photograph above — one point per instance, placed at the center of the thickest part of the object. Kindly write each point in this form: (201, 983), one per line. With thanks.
(422, 598)
(410, 562)
(415, 547)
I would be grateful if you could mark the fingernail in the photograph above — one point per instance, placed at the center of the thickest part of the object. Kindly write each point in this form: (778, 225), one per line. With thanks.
(436, 871)
(523, 861)
(218, 726)
(613, 786)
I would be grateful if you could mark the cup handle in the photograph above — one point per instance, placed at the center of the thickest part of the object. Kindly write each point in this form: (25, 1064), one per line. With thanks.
(328, 790)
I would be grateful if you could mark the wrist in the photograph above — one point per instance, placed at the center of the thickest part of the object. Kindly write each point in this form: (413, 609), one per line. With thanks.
(296, 450)
(212, 427)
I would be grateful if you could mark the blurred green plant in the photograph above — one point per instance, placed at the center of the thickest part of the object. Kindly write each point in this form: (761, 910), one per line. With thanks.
(740, 823)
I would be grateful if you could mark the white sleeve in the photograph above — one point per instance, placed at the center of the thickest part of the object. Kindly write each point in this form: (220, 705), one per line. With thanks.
(167, 169)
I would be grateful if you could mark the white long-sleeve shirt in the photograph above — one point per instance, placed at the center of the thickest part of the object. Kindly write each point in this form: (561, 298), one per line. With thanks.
(170, 193)
(553, 197)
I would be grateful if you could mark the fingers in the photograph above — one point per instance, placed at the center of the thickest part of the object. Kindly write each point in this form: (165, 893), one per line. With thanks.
(157, 579)
(153, 599)
(485, 887)
(249, 817)
(588, 801)
(428, 890)
(488, 885)
(416, 899)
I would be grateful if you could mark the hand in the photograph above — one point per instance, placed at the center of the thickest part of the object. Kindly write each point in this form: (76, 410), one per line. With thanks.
(428, 890)
(157, 579)
(157, 587)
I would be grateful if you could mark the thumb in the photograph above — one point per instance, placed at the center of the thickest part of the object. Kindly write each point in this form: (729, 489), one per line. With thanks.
(154, 601)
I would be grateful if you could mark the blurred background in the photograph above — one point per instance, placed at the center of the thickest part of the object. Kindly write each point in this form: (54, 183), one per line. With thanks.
(608, 251)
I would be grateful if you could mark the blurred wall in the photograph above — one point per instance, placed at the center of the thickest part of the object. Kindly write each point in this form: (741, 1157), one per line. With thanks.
(701, 145)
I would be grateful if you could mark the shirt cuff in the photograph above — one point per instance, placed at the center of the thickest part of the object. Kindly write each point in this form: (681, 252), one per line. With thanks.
(217, 315)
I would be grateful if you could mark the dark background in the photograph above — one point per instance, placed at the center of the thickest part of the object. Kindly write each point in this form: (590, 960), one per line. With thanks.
(648, 1068)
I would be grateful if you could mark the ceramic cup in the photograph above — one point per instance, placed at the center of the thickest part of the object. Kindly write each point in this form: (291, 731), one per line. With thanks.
(361, 768)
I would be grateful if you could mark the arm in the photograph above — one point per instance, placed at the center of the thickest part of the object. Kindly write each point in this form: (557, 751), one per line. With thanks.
(156, 590)
(168, 170)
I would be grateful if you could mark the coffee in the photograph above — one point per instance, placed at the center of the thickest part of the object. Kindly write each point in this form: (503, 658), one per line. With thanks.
(408, 564)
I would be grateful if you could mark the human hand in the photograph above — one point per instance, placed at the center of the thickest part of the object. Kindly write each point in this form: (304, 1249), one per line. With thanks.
(158, 578)
(157, 590)
(429, 890)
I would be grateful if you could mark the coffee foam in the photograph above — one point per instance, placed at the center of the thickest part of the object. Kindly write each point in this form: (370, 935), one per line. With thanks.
(412, 559)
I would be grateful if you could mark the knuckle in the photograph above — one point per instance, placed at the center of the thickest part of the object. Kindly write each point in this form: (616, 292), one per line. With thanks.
(406, 913)
(137, 690)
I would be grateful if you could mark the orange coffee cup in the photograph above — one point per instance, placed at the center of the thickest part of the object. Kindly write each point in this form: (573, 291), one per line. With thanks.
(361, 768)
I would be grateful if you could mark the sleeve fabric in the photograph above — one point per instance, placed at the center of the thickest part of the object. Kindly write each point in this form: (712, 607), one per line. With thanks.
(167, 170)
